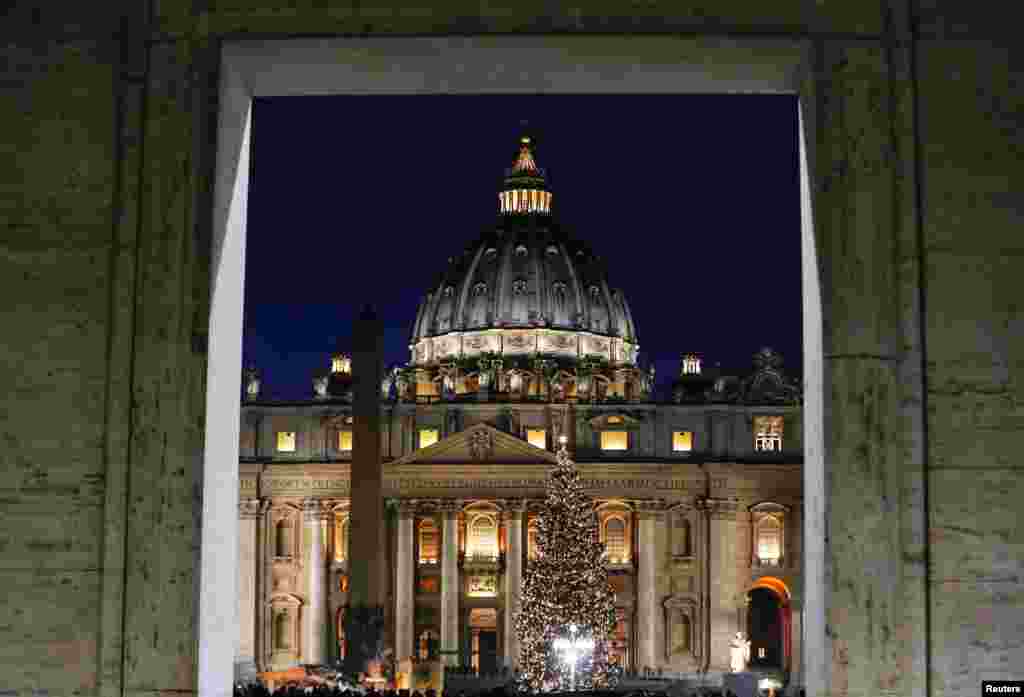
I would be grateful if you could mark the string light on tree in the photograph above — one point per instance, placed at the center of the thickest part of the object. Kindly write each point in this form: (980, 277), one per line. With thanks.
(568, 609)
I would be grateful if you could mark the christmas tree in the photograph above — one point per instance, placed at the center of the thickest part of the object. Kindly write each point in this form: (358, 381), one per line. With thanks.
(566, 595)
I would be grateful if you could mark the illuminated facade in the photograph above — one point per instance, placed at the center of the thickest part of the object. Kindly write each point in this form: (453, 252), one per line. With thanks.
(520, 341)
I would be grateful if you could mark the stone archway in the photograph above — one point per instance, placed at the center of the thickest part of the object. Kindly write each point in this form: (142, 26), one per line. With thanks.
(770, 624)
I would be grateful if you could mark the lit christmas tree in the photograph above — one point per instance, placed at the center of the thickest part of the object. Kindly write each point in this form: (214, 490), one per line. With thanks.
(568, 611)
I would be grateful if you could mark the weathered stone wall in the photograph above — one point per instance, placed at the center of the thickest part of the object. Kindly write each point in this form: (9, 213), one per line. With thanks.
(108, 117)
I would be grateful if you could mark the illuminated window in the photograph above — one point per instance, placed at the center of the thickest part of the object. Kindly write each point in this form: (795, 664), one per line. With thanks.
(428, 436)
(691, 365)
(341, 364)
(538, 438)
(615, 419)
(341, 529)
(768, 433)
(286, 441)
(343, 583)
(760, 652)
(769, 540)
(483, 538)
(682, 441)
(344, 440)
(531, 539)
(429, 542)
(614, 440)
(615, 540)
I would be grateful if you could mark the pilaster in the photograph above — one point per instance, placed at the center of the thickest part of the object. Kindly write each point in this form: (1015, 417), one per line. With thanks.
(513, 515)
(245, 653)
(404, 580)
(649, 514)
(313, 516)
(450, 582)
(721, 515)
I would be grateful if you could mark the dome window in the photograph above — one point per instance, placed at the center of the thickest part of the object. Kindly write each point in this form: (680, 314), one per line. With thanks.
(480, 289)
(594, 291)
(558, 288)
(448, 291)
(491, 253)
(521, 250)
(552, 250)
(519, 286)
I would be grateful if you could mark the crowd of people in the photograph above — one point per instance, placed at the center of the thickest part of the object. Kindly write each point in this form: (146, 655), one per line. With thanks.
(296, 690)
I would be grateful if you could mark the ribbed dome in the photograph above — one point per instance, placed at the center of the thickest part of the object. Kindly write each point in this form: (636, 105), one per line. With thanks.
(527, 274)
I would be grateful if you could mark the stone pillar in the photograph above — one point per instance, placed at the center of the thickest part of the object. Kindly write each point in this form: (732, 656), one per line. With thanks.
(405, 605)
(450, 584)
(722, 569)
(315, 610)
(245, 655)
(513, 579)
(647, 609)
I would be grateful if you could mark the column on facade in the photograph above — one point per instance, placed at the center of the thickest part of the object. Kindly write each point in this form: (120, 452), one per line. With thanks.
(313, 554)
(795, 563)
(405, 607)
(450, 584)
(647, 610)
(245, 654)
(725, 586)
(513, 579)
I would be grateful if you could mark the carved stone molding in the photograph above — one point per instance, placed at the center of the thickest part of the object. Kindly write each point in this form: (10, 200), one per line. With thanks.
(314, 510)
(647, 509)
(514, 509)
(481, 444)
(408, 508)
(450, 507)
(250, 509)
(721, 509)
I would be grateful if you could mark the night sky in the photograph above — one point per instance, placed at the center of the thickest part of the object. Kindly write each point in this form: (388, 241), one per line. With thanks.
(692, 201)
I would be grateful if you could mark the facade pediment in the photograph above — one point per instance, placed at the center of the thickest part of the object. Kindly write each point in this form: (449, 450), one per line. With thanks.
(478, 444)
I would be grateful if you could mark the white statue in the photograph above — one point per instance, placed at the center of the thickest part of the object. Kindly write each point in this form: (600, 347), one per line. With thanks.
(739, 650)
(320, 386)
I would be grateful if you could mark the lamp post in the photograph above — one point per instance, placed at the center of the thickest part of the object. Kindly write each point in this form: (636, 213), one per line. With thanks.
(571, 648)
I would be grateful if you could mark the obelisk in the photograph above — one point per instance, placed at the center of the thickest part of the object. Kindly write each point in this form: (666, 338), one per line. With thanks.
(364, 618)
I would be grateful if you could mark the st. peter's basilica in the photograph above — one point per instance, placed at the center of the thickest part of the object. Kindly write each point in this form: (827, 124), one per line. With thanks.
(521, 340)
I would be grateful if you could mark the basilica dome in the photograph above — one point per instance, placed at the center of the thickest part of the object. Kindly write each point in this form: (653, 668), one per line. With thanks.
(525, 286)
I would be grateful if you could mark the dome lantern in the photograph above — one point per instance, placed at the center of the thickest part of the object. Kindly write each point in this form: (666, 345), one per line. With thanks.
(525, 190)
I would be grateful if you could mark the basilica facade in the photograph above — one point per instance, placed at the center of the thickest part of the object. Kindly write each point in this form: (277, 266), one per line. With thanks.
(522, 344)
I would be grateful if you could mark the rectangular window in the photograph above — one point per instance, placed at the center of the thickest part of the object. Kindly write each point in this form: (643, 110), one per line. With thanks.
(538, 438)
(428, 436)
(768, 433)
(682, 441)
(614, 440)
(286, 441)
(345, 441)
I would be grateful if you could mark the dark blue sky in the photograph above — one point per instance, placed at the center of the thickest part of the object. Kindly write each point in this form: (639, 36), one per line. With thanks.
(692, 201)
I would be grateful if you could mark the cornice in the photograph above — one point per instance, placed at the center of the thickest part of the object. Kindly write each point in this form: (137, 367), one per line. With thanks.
(250, 509)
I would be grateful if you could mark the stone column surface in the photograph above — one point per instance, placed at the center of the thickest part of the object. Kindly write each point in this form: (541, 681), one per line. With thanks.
(646, 590)
(314, 558)
(367, 579)
(404, 579)
(722, 616)
(450, 585)
(245, 655)
(513, 579)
